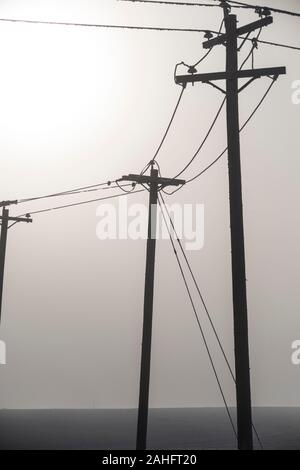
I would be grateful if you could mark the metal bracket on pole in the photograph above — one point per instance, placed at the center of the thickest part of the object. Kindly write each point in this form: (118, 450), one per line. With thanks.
(222, 38)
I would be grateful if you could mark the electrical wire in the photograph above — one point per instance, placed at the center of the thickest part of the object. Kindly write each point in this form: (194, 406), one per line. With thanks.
(254, 45)
(269, 43)
(75, 191)
(199, 323)
(251, 52)
(225, 150)
(233, 4)
(243, 126)
(204, 140)
(141, 28)
(162, 2)
(204, 305)
(111, 26)
(271, 9)
(170, 123)
(191, 67)
(133, 185)
(79, 203)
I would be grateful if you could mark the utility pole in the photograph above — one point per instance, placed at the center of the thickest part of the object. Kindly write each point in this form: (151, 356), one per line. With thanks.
(232, 76)
(155, 183)
(5, 219)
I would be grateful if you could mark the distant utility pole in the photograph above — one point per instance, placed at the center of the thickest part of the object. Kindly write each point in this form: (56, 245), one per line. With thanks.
(232, 75)
(155, 183)
(5, 219)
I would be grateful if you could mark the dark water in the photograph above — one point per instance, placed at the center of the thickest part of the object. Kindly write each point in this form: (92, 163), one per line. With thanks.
(184, 428)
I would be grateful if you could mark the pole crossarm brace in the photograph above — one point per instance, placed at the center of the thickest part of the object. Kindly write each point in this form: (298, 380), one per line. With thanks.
(239, 32)
(248, 73)
(144, 179)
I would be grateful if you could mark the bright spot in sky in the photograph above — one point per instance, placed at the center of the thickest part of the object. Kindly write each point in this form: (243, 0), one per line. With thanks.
(52, 81)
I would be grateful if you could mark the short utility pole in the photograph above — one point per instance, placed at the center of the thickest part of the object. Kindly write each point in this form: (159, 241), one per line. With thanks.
(155, 183)
(232, 76)
(5, 219)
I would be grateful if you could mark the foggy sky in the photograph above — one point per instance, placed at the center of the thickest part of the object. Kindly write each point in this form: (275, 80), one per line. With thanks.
(80, 106)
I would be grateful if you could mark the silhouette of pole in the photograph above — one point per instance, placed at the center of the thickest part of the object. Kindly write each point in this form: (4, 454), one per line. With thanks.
(141, 438)
(5, 219)
(241, 342)
(154, 181)
(240, 316)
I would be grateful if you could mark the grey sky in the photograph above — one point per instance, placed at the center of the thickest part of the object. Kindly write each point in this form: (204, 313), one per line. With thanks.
(82, 105)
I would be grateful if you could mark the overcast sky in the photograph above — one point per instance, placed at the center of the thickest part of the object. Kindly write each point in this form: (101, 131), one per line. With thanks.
(80, 106)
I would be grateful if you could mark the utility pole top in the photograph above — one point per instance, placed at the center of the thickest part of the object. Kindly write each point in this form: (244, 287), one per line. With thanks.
(222, 38)
(144, 179)
(233, 73)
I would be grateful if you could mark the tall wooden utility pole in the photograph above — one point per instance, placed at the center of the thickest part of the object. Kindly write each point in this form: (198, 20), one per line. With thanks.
(5, 219)
(232, 76)
(154, 182)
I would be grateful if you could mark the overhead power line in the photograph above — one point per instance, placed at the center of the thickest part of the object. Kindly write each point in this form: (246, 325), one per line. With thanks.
(203, 303)
(254, 45)
(80, 203)
(243, 126)
(139, 28)
(232, 4)
(277, 44)
(198, 321)
(111, 26)
(271, 9)
(98, 187)
(185, 4)
(170, 123)
(204, 140)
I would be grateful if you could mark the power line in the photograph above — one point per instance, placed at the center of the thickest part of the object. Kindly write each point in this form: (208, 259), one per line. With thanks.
(80, 203)
(251, 52)
(233, 4)
(162, 2)
(98, 187)
(198, 322)
(215, 118)
(257, 7)
(244, 125)
(111, 26)
(170, 123)
(204, 140)
(141, 28)
(277, 44)
(192, 68)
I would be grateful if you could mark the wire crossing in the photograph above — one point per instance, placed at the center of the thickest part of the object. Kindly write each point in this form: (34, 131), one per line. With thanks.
(199, 323)
(203, 303)
(241, 129)
(233, 4)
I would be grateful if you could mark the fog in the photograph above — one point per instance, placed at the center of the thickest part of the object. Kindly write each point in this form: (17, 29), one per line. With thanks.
(80, 106)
